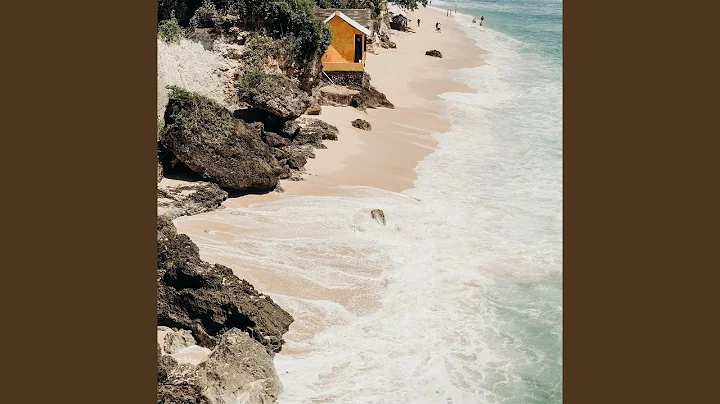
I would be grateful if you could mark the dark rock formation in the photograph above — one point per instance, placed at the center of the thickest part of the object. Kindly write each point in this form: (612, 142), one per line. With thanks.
(434, 53)
(180, 393)
(270, 122)
(189, 199)
(290, 129)
(311, 128)
(275, 140)
(370, 97)
(362, 124)
(354, 89)
(378, 215)
(294, 157)
(273, 93)
(209, 299)
(221, 149)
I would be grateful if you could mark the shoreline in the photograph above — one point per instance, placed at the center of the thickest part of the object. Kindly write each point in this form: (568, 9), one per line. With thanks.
(384, 158)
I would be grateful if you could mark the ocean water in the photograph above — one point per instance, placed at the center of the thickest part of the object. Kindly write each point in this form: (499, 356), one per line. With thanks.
(458, 299)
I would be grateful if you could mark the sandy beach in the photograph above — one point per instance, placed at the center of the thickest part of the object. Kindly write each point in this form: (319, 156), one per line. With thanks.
(383, 158)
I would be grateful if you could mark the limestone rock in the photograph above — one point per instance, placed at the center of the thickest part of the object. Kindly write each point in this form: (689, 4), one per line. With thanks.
(275, 140)
(378, 215)
(434, 53)
(238, 370)
(189, 199)
(362, 124)
(316, 129)
(178, 340)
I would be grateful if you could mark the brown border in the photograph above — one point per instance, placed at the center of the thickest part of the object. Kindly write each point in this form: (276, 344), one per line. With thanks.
(637, 183)
(79, 153)
(79, 156)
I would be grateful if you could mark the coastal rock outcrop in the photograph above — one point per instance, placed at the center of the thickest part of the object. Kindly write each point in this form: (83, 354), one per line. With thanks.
(221, 149)
(209, 299)
(178, 340)
(311, 128)
(313, 131)
(237, 370)
(273, 93)
(434, 53)
(189, 198)
(361, 124)
(378, 215)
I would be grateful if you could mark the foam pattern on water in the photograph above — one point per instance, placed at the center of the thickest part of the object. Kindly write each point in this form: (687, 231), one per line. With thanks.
(458, 299)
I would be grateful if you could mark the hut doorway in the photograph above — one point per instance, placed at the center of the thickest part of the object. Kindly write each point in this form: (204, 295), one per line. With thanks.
(358, 48)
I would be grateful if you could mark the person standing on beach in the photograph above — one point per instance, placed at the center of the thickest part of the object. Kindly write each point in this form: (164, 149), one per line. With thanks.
(482, 17)
(418, 22)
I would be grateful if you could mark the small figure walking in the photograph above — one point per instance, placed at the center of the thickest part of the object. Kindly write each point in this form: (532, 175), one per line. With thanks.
(482, 17)
(418, 22)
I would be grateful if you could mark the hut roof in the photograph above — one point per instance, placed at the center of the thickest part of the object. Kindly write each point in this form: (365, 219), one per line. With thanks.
(362, 16)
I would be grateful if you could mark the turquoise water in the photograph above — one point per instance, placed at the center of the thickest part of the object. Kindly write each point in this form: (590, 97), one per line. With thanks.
(520, 143)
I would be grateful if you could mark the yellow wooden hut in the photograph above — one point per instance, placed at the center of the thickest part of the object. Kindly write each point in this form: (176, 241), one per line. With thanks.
(348, 48)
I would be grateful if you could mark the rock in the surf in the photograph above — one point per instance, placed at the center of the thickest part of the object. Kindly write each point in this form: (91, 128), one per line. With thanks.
(378, 215)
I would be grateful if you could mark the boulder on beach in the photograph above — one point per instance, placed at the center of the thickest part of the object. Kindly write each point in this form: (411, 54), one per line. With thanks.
(274, 93)
(378, 215)
(362, 124)
(237, 370)
(220, 148)
(314, 131)
(434, 53)
(189, 198)
(209, 299)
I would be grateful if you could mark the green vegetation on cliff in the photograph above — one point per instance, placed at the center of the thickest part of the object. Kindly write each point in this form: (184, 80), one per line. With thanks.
(275, 18)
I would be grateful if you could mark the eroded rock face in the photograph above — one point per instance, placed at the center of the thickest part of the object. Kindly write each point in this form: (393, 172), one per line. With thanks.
(209, 299)
(275, 140)
(220, 148)
(189, 199)
(178, 340)
(238, 370)
(361, 124)
(313, 129)
(434, 53)
(273, 93)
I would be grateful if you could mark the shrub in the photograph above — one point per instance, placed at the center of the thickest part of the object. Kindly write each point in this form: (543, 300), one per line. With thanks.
(198, 115)
(169, 30)
(262, 51)
(205, 16)
(282, 18)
